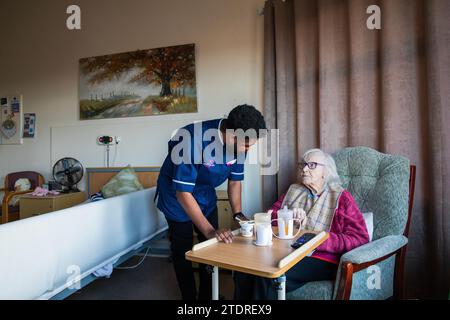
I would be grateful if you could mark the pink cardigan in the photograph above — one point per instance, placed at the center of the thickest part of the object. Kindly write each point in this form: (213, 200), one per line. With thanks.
(348, 229)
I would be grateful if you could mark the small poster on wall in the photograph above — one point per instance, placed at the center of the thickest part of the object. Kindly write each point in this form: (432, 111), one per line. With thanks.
(11, 122)
(29, 126)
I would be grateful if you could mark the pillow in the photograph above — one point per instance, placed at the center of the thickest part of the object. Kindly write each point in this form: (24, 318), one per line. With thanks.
(368, 219)
(22, 184)
(124, 182)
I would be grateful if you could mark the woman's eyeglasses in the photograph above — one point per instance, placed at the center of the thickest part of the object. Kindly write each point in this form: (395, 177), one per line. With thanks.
(311, 165)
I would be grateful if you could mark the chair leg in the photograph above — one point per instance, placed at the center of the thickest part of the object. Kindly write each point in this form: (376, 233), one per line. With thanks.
(345, 282)
(399, 274)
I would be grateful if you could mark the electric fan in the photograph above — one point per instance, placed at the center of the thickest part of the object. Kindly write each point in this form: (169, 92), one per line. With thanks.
(68, 172)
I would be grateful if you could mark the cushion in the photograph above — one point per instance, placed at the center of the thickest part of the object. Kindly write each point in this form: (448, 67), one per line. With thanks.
(314, 290)
(22, 184)
(368, 219)
(125, 181)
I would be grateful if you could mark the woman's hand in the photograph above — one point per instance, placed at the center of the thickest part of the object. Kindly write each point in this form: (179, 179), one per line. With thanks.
(224, 235)
(300, 214)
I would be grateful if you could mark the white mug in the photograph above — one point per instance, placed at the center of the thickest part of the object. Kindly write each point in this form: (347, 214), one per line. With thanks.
(263, 234)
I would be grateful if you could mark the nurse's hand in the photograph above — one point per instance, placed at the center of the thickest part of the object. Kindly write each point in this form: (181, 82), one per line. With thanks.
(224, 235)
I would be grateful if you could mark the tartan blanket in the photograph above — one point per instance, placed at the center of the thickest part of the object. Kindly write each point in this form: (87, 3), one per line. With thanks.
(319, 210)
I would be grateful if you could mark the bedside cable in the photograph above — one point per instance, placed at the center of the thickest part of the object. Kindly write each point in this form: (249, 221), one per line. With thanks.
(142, 260)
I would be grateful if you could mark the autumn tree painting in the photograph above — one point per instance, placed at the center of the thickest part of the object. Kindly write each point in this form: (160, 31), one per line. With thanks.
(138, 83)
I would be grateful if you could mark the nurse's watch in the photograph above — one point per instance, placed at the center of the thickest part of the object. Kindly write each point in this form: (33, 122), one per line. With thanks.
(239, 215)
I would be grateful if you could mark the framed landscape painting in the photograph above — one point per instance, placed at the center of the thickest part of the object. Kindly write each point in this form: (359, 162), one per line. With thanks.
(139, 83)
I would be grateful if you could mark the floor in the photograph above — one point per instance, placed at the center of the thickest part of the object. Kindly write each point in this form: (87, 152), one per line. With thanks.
(154, 279)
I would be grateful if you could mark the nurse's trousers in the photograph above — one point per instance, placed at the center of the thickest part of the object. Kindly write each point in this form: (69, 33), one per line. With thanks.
(181, 238)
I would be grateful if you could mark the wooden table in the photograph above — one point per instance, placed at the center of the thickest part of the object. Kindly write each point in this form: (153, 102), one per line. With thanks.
(35, 205)
(243, 256)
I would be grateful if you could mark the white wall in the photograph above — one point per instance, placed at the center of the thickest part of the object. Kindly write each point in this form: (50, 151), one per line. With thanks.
(39, 59)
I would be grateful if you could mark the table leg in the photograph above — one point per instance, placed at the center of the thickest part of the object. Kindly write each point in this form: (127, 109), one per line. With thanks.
(215, 283)
(281, 287)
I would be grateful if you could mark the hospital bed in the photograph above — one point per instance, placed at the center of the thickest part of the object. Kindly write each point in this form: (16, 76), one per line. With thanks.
(52, 255)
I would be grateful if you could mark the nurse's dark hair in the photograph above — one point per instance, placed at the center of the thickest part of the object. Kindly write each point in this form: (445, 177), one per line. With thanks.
(246, 117)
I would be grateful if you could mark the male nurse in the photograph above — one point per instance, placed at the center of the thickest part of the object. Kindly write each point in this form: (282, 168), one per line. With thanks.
(202, 156)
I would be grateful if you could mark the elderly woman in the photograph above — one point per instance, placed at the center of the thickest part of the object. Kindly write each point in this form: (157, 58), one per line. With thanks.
(327, 207)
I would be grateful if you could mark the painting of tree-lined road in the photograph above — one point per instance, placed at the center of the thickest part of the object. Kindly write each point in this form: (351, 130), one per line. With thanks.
(139, 83)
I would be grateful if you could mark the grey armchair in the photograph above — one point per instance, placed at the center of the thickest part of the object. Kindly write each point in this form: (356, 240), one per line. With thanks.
(382, 184)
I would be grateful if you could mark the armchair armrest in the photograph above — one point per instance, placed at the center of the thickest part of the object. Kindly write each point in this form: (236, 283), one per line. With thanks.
(365, 256)
(6, 199)
(375, 250)
(9, 196)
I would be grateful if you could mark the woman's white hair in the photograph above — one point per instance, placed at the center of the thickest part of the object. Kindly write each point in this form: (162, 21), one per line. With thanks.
(332, 176)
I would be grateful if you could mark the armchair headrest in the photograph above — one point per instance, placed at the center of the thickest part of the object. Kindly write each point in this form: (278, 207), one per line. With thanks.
(379, 183)
(30, 175)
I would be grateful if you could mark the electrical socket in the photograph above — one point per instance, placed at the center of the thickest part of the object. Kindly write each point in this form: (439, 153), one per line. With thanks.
(105, 140)
(117, 139)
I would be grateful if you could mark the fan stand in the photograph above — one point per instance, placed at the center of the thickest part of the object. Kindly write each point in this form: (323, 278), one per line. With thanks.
(70, 189)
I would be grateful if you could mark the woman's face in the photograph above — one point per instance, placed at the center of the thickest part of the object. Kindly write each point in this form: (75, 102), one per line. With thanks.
(312, 176)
